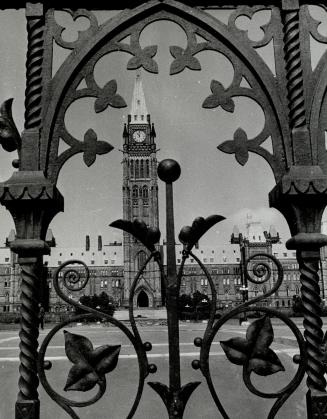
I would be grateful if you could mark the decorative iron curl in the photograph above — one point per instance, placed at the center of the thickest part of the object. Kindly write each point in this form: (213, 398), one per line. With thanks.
(211, 331)
(261, 270)
(71, 278)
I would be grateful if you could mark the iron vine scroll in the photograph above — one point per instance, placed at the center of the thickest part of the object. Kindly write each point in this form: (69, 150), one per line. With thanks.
(253, 353)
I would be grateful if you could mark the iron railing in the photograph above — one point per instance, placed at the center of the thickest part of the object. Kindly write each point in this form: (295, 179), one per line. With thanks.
(293, 99)
(253, 352)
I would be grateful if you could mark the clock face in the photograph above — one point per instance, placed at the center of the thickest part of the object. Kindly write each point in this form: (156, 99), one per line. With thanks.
(139, 136)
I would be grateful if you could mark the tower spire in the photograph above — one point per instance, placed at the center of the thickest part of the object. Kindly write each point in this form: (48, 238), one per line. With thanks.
(139, 112)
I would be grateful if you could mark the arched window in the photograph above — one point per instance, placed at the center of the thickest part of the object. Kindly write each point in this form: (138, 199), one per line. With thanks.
(135, 192)
(141, 258)
(137, 169)
(132, 168)
(145, 192)
(142, 169)
(147, 169)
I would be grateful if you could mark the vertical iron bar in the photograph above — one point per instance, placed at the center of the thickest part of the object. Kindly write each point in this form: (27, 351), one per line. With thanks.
(172, 295)
(169, 171)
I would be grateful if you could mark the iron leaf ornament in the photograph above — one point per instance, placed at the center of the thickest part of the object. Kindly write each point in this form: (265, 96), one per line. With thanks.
(92, 147)
(144, 58)
(9, 136)
(183, 58)
(146, 235)
(238, 146)
(90, 365)
(220, 97)
(175, 401)
(108, 96)
(253, 352)
(189, 235)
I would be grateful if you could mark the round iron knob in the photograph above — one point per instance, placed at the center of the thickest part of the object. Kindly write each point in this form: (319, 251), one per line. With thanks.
(152, 368)
(169, 170)
(196, 364)
(198, 342)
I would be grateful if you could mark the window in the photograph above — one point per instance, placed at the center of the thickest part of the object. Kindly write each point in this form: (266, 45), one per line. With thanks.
(202, 281)
(141, 258)
(132, 168)
(142, 169)
(178, 261)
(135, 117)
(106, 262)
(147, 168)
(101, 284)
(145, 192)
(211, 260)
(92, 262)
(135, 192)
(6, 283)
(137, 169)
(46, 263)
(205, 260)
(285, 255)
(6, 259)
(112, 262)
(59, 262)
(142, 117)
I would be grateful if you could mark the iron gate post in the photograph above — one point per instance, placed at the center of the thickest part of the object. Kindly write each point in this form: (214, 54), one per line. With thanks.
(33, 202)
(298, 198)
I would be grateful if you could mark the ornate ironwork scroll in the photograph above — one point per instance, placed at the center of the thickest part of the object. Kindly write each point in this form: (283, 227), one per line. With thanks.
(252, 352)
(91, 365)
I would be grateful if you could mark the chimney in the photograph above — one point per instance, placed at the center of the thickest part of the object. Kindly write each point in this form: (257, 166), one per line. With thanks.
(99, 243)
(87, 243)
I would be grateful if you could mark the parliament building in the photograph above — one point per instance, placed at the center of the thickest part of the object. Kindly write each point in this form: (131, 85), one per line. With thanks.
(114, 265)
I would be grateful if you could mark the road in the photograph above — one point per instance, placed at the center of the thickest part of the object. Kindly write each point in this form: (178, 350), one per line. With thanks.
(122, 382)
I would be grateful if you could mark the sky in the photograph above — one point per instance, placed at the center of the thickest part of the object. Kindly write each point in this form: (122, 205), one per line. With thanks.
(211, 182)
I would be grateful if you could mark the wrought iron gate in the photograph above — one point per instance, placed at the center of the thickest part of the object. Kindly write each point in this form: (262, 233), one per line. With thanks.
(294, 121)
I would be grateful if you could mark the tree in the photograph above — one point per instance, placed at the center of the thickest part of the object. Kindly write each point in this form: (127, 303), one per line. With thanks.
(196, 306)
(102, 302)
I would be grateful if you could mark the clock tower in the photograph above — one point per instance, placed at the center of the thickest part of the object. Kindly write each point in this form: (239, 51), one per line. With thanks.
(140, 198)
